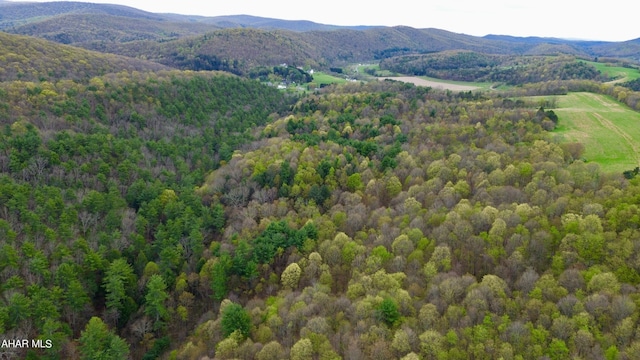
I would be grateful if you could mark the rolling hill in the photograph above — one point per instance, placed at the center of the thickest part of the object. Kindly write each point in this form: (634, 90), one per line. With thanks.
(86, 30)
(246, 48)
(18, 13)
(258, 22)
(244, 41)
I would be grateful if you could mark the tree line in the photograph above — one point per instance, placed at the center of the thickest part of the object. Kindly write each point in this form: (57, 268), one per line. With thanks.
(478, 67)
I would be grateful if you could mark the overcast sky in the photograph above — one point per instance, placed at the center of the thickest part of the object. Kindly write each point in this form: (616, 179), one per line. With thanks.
(549, 18)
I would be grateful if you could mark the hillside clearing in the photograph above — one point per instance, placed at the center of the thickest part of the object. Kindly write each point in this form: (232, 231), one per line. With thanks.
(608, 129)
(322, 78)
(620, 73)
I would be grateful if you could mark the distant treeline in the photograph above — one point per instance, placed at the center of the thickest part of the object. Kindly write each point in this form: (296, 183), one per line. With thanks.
(508, 69)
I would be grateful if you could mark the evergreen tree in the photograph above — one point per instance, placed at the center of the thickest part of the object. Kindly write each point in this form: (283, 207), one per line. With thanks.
(235, 317)
(155, 300)
(98, 342)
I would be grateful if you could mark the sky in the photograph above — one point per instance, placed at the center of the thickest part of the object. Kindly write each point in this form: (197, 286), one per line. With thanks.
(569, 19)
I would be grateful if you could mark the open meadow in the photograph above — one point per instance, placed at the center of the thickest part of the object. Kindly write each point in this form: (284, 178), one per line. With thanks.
(620, 73)
(609, 130)
(322, 78)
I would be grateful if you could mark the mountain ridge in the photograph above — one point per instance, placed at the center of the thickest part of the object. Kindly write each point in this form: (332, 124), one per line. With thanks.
(238, 43)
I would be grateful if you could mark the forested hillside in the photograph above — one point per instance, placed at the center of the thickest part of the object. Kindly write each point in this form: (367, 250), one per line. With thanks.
(242, 49)
(375, 221)
(97, 187)
(446, 227)
(15, 14)
(28, 59)
(90, 30)
(483, 67)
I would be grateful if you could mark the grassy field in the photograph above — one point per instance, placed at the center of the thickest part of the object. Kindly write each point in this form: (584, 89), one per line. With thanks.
(361, 69)
(609, 130)
(324, 78)
(618, 72)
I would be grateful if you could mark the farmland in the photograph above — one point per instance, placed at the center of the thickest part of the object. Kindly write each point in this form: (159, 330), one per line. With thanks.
(321, 78)
(608, 130)
(620, 73)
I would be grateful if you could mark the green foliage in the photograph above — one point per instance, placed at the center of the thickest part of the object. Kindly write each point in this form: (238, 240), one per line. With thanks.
(159, 347)
(611, 353)
(278, 235)
(382, 253)
(235, 318)
(388, 313)
(155, 300)
(98, 342)
(144, 197)
(354, 182)
(118, 282)
(302, 350)
(558, 350)
(633, 84)
(219, 277)
(112, 184)
(291, 276)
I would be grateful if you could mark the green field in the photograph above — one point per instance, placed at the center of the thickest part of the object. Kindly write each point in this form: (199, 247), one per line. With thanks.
(618, 72)
(321, 78)
(609, 130)
(361, 70)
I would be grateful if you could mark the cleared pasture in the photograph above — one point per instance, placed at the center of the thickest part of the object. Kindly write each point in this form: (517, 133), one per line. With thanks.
(620, 73)
(321, 78)
(609, 130)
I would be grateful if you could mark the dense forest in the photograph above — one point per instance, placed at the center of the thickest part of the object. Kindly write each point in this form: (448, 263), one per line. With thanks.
(367, 221)
(150, 211)
(89, 175)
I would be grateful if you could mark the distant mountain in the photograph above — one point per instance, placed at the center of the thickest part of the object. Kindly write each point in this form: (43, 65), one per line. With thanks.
(239, 43)
(241, 49)
(527, 39)
(626, 49)
(14, 14)
(85, 29)
(257, 22)
(532, 46)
